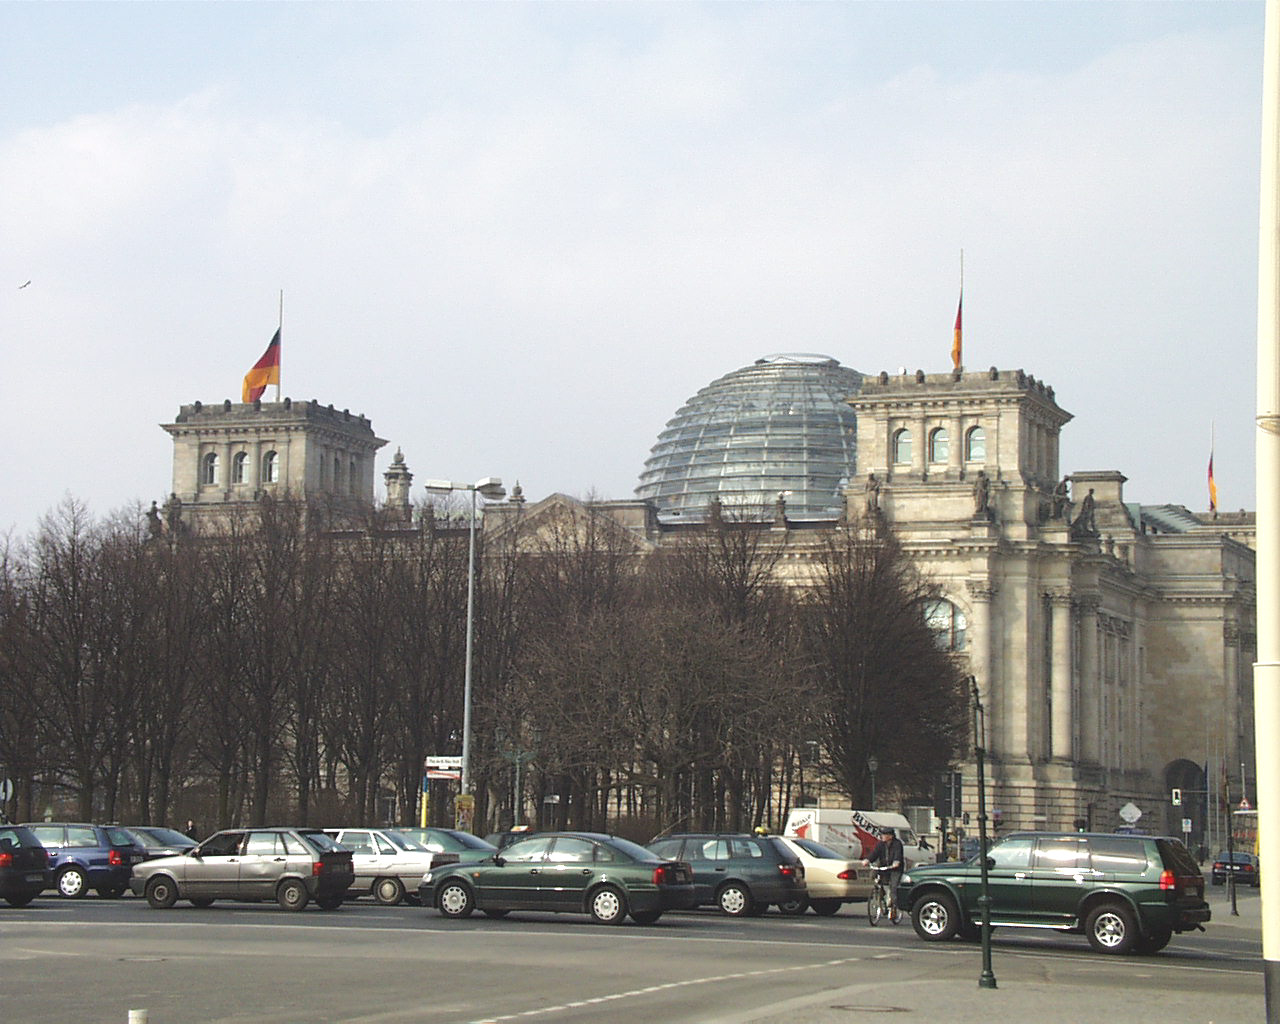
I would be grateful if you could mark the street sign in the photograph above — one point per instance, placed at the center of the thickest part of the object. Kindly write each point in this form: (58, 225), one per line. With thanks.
(1186, 826)
(1175, 798)
(444, 773)
(453, 762)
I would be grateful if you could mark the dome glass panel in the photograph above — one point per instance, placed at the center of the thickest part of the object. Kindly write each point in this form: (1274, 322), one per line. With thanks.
(779, 426)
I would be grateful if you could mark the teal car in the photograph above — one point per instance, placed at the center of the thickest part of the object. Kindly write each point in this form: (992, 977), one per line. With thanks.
(1124, 893)
(563, 872)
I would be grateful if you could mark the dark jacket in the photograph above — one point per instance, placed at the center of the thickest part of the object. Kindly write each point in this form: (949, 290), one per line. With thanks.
(887, 853)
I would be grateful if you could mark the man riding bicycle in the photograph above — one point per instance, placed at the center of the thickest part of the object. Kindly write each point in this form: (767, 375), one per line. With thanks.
(889, 856)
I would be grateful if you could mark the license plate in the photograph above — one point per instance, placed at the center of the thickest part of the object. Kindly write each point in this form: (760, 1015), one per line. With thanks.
(35, 878)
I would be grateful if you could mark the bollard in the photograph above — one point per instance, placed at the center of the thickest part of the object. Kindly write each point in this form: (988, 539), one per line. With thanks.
(137, 1017)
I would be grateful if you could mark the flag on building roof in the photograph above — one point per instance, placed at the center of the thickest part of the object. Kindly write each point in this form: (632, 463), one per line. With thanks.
(1213, 487)
(957, 352)
(265, 371)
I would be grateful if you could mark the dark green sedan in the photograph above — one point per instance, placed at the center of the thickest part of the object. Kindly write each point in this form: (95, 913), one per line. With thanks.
(564, 872)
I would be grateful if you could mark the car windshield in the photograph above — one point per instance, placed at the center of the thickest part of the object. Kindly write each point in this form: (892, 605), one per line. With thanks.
(467, 841)
(404, 842)
(120, 837)
(1236, 857)
(320, 841)
(633, 850)
(817, 850)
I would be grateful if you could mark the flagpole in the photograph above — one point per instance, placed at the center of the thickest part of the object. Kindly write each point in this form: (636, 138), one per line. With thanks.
(280, 329)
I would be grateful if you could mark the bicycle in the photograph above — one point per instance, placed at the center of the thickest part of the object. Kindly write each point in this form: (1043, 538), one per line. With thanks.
(879, 903)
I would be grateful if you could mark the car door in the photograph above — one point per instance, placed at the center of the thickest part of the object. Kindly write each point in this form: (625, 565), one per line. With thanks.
(569, 868)
(213, 868)
(1008, 880)
(54, 839)
(709, 858)
(1061, 876)
(513, 885)
(261, 865)
(364, 855)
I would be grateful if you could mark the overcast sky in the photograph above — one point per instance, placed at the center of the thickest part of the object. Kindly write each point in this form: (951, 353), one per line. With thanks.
(519, 236)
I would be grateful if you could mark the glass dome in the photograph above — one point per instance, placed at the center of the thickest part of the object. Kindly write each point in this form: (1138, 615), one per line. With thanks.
(778, 426)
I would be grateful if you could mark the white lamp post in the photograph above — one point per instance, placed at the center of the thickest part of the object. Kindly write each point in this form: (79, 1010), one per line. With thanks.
(490, 488)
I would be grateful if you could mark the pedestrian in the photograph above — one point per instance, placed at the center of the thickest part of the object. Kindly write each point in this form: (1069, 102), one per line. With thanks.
(190, 830)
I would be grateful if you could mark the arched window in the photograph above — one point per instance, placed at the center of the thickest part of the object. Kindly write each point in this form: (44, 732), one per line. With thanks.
(948, 624)
(975, 445)
(902, 448)
(271, 468)
(238, 463)
(209, 468)
(939, 445)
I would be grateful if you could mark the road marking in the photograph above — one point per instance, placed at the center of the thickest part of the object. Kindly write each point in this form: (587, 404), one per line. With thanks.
(613, 997)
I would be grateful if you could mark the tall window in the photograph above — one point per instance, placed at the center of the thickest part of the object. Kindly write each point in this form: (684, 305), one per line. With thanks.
(209, 469)
(337, 474)
(939, 445)
(352, 477)
(975, 445)
(238, 463)
(948, 624)
(271, 468)
(902, 448)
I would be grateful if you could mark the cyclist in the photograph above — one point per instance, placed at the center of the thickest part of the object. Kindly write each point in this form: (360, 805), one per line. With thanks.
(889, 856)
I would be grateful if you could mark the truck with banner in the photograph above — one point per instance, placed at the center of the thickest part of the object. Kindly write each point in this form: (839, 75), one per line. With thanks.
(854, 834)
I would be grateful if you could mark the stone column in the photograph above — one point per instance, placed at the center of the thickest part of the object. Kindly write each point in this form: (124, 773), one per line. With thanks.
(920, 451)
(978, 637)
(1063, 718)
(1090, 680)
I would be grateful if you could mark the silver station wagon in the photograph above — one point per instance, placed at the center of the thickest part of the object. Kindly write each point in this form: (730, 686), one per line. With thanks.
(290, 865)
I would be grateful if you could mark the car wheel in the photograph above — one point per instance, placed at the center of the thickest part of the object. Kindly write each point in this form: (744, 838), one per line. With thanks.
(794, 907)
(330, 901)
(20, 899)
(734, 900)
(607, 905)
(455, 900)
(203, 902)
(1153, 943)
(1111, 928)
(824, 908)
(646, 916)
(162, 892)
(111, 892)
(388, 891)
(495, 914)
(935, 917)
(71, 883)
(292, 894)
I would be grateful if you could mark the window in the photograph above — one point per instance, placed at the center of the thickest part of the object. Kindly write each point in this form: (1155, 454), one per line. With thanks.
(85, 838)
(384, 846)
(745, 848)
(294, 846)
(50, 835)
(261, 844)
(669, 849)
(710, 849)
(238, 464)
(1067, 855)
(975, 445)
(902, 448)
(209, 469)
(271, 468)
(572, 851)
(939, 445)
(948, 624)
(352, 477)
(337, 473)
(224, 844)
(1124, 855)
(1012, 853)
(527, 851)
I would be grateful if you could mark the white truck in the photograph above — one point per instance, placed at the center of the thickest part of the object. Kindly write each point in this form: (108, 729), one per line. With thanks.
(855, 833)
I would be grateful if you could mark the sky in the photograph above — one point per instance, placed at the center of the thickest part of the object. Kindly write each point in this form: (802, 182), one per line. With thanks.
(519, 236)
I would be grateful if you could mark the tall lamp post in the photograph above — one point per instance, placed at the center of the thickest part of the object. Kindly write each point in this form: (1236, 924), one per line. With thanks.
(491, 489)
(872, 765)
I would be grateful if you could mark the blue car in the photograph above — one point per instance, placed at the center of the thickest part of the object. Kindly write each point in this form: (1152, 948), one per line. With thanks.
(84, 857)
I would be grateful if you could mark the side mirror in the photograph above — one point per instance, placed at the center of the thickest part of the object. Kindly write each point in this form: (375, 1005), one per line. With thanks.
(991, 862)
(499, 860)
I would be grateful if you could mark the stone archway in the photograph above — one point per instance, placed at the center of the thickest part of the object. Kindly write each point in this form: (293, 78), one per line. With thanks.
(1190, 778)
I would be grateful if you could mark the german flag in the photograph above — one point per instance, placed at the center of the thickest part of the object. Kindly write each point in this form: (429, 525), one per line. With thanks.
(1213, 487)
(265, 371)
(957, 352)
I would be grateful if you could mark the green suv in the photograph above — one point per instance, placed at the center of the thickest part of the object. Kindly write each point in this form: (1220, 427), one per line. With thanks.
(1125, 893)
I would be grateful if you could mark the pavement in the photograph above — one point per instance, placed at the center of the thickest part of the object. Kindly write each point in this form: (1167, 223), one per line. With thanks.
(1187, 983)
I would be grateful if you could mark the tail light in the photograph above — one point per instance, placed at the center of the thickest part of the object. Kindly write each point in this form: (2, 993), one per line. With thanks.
(1218, 865)
(316, 868)
(661, 874)
(787, 870)
(1167, 880)
(846, 874)
(114, 858)
(6, 860)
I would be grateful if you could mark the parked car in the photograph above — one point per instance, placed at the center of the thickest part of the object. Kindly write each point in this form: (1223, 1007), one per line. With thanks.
(1245, 866)
(830, 879)
(387, 863)
(292, 865)
(563, 872)
(451, 845)
(84, 857)
(740, 874)
(509, 836)
(1125, 893)
(160, 842)
(24, 866)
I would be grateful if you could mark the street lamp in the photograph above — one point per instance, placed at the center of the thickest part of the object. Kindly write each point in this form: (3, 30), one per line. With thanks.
(872, 765)
(491, 489)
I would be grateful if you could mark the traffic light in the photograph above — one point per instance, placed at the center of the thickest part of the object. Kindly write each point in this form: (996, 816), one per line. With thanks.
(1176, 797)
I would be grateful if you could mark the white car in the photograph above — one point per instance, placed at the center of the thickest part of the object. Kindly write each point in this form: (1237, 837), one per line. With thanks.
(387, 864)
(832, 878)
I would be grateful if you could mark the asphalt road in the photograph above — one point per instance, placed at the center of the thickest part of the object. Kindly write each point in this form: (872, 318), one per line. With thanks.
(94, 960)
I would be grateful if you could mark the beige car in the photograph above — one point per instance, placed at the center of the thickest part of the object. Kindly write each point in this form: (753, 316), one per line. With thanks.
(387, 864)
(832, 878)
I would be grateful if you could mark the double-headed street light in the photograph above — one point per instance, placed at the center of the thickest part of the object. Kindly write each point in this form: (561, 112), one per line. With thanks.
(491, 489)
